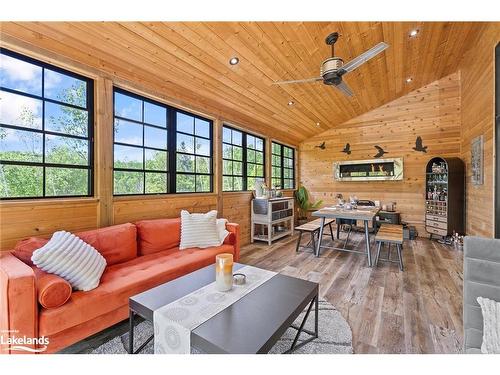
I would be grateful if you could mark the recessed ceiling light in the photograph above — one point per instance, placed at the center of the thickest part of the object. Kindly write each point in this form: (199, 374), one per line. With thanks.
(413, 33)
(409, 79)
(317, 124)
(291, 102)
(234, 60)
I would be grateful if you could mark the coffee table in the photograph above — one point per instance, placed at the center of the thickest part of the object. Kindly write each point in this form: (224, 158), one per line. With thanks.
(251, 325)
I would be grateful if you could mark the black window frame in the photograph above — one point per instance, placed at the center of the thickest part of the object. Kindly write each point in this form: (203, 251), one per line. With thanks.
(171, 150)
(244, 174)
(90, 127)
(282, 166)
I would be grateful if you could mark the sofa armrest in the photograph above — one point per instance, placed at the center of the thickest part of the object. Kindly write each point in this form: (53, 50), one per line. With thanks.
(18, 301)
(234, 239)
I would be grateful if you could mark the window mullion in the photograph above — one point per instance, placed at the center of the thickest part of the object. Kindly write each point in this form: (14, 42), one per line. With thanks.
(244, 161)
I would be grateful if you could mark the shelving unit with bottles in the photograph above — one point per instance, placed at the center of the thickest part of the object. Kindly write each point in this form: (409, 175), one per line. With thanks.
(444, 193)
(271, 219)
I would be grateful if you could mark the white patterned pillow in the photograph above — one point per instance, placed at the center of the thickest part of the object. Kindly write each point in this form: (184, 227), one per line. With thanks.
(491, 325)
(69, 257)
(199, 230)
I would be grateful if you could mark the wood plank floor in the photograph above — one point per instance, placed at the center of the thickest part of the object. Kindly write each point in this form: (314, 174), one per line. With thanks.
(418, 310)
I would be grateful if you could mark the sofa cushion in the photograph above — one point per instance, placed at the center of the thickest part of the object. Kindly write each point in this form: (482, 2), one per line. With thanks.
(24, 248)
(117, 243)
(71, 258)
(158, 235)
(199, 230)
(123, 280)
(52, 290)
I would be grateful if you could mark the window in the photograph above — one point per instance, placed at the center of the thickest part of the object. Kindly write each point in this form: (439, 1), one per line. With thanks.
(242, 159)
(193, 154)
(283, 166)
(46, 126)
(158, 149)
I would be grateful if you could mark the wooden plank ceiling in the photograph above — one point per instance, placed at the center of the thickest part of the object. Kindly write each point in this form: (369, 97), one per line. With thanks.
(189, 62)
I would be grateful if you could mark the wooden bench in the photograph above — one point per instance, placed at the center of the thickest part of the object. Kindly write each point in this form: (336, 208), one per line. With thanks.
(312, 227)
(390, 234)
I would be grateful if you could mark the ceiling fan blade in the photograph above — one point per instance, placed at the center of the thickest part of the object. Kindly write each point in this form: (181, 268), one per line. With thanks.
(364, 57)
(298, 81)
(342, 86)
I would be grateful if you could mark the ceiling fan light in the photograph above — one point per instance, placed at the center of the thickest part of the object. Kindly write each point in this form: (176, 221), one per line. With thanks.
(234, 60)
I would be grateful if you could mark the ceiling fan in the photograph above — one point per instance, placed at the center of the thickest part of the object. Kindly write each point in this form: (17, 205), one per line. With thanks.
(333, 68)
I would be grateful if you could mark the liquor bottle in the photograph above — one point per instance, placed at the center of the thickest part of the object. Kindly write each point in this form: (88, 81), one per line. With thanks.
(445, 194)
(429, 194)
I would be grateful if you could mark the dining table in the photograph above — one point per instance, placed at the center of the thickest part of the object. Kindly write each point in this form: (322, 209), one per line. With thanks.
(362, 213)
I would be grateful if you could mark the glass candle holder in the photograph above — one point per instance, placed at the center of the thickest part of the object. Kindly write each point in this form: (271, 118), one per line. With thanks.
(224, 272)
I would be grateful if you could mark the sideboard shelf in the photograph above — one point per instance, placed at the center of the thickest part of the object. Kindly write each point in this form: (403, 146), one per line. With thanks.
(272, 219)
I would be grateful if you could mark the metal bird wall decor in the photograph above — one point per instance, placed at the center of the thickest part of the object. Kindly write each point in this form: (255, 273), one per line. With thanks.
(419, 146)
(380, 152)
(347, 149)
(321, 146)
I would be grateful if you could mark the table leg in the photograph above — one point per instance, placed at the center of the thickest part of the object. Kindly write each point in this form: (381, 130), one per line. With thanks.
(331, 231)
(318, 246)
(316, 316)
(367, 239)
(298, 241)
(131, 316)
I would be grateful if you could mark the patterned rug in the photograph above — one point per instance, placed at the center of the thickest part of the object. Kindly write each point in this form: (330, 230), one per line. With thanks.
(335, 336)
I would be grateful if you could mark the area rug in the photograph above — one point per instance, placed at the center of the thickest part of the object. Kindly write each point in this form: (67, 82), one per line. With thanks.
(335, 336)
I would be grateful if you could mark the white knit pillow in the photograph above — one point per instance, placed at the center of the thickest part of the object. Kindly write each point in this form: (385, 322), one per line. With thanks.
(199, 230)
(69, 257)
(221, 229)
(491, 325)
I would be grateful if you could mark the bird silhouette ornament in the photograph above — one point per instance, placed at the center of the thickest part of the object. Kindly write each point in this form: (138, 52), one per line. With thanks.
(380, 152)
(418, 145)
(321, 146)
(347, 149)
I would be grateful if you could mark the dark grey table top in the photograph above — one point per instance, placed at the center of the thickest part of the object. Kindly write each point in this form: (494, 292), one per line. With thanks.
(251, 325)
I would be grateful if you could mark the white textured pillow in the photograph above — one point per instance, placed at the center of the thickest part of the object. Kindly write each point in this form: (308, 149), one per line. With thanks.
(221, 230)
(199, 230)
(491, 325)
(69, 257)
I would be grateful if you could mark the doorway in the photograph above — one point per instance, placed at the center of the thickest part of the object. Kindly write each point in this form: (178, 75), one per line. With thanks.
(497, 141)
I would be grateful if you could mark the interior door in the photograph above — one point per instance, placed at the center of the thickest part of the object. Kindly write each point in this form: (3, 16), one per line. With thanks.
(497, 141)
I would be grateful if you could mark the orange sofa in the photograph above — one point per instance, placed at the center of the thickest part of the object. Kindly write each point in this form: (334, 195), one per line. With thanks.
(139, 256)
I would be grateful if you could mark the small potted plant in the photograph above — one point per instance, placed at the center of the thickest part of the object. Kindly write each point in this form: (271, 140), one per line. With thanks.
(304, 204)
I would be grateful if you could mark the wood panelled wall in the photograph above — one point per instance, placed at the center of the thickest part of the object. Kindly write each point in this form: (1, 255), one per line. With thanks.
(432, 112)
(478, 118)
(41, 217)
